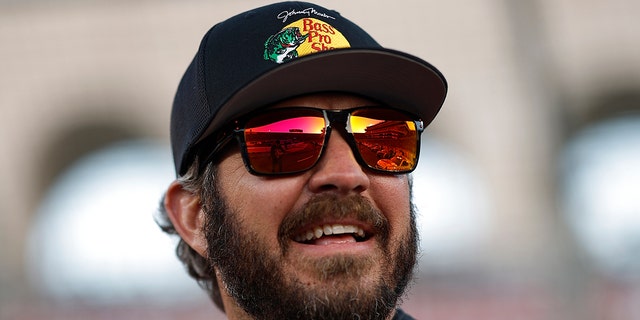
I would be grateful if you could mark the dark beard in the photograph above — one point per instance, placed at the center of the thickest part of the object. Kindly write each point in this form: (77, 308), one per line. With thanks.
(257, 283)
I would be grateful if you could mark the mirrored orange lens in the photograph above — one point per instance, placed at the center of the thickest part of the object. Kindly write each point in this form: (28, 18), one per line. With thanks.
(277, 144)
(386, 139)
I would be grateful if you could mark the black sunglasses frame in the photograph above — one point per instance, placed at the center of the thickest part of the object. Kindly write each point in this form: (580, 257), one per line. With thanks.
(331, 117)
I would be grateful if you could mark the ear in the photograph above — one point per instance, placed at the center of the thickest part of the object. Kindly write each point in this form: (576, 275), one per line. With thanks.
(185, 212)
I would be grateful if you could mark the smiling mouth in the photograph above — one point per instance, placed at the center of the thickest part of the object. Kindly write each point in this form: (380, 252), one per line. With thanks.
(331, 234)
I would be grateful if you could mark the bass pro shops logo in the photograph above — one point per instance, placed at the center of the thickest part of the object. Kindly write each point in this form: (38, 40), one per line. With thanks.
(303, 37)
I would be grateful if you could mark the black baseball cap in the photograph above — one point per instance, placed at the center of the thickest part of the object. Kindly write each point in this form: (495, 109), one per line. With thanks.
(285, 50)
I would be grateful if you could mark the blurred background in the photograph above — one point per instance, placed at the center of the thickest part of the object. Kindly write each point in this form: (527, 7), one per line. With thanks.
(527, 190)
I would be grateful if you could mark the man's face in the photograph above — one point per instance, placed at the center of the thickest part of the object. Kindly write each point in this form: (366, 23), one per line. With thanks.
(334, 241)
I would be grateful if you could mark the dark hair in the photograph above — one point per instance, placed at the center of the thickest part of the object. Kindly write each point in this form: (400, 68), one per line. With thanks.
(197, 266)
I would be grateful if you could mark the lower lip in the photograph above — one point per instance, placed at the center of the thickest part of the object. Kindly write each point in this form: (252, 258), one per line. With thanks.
(353, 248)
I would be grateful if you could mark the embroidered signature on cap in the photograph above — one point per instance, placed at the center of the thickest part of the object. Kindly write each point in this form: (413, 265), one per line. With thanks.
(284, 15)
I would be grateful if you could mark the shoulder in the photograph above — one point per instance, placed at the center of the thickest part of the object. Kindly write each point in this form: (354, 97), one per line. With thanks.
(401, 315)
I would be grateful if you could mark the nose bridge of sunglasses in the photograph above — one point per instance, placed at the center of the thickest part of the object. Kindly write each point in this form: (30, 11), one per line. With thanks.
(339, 123)
(338, 119)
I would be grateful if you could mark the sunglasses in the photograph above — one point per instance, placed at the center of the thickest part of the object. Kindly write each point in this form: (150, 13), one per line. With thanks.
(292, 140)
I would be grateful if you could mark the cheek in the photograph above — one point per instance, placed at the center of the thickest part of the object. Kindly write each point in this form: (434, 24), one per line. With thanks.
(263, 198)
(391, 195)
(260, 202)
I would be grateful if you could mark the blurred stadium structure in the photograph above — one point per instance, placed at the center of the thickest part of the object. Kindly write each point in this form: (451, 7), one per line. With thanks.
(527, 190)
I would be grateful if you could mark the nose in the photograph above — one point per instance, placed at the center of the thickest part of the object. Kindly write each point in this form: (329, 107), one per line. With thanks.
(337, 170)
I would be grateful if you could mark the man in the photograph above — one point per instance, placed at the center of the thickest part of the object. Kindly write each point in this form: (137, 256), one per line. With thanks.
(277, 151)
(329, 233)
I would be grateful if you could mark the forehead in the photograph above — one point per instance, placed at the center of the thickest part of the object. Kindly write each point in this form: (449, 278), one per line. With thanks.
(333, 101)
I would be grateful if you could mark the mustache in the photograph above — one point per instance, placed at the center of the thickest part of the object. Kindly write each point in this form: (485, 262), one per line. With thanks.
(332, 206)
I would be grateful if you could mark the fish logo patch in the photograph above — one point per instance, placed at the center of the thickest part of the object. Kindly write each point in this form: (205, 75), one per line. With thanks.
(282, 46)
(303, 37)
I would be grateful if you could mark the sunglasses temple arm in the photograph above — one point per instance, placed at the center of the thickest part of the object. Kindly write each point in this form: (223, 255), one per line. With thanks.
(220, 143)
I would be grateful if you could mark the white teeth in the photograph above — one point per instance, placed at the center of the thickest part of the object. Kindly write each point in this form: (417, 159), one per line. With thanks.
(318, 232)
(350, 229)
(326, 229)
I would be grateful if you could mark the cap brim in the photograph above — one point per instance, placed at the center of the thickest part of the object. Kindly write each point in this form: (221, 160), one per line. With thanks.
(388, 76)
